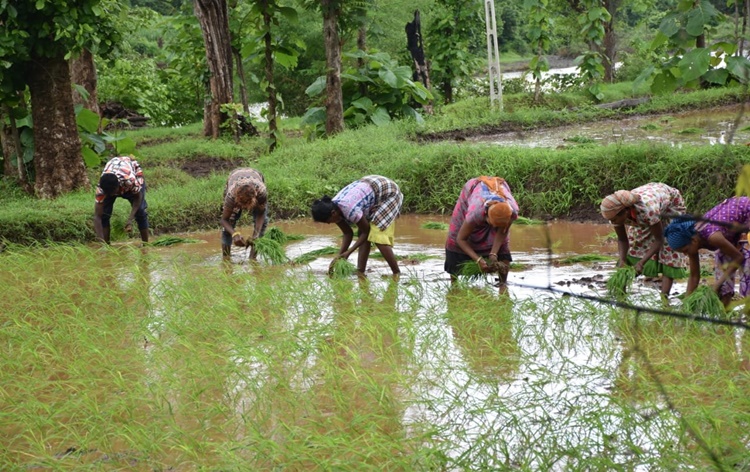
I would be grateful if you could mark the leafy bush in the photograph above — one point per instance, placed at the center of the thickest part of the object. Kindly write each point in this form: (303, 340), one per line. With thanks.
(390, 93)
(136, 85)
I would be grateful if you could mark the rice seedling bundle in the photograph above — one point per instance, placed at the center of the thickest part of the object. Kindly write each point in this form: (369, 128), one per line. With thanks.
(522, 220)
(619, 282)
(703, 301)
(435, 225)
(584, 258)
(314, 254)
(269, 250)
(276, 234)
(171, 240)
(471, 270)
(341, 268)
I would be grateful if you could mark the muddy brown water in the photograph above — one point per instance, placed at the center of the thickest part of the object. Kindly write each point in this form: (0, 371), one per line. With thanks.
(538, 252)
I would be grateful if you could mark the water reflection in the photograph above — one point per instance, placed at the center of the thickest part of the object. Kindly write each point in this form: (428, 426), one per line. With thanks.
(482, 328)
(359, 369)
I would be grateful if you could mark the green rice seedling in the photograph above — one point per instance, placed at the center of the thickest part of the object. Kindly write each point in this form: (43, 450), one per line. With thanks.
(341, 268)
(690, 131)
(619, 282)
(435, 225)
(314, 254)
(171, 240)
(579, 139)
(419, 257)
(584, 258)
(703, 301)
(277, 235)
(522, 220)
(471, 270)
(270, 250)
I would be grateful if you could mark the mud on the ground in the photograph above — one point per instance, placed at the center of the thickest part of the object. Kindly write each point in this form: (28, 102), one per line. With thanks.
(203, 165)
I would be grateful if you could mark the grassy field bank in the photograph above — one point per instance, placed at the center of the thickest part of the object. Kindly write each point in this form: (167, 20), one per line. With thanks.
(548, 183)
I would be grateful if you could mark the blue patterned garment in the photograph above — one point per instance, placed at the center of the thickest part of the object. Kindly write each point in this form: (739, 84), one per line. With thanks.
(374, 197)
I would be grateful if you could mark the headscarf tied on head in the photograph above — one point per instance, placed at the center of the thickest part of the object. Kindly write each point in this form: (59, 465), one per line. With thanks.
(618, 201)
(680, 232)
(499, 213)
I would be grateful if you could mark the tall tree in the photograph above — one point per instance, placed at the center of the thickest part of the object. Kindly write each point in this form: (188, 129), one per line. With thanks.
(454, 41)
(83, 74)
(35, 42)
(214, 20)
(334, 103)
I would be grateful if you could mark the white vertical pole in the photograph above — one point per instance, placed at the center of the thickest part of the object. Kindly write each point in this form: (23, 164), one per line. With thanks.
(493, 54)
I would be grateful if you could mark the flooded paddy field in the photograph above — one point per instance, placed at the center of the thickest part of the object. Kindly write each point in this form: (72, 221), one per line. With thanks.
(166, 358)
(716, 126)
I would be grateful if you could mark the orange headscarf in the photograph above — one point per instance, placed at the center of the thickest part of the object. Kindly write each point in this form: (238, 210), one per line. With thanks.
(499, 214)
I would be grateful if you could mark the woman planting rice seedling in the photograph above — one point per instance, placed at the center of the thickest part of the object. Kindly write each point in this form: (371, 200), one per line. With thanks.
(720, 232)
(372, 203)
(245, 190)
(480, 228)
(646, 211)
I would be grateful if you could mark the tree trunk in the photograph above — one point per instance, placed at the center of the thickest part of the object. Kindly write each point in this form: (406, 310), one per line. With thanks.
(447, 87)
(57, 148)
(334, 96)
(610, 41)
(271, 89)
(415, 46)
(8, 145)
(243, 82)
(362, 46)
(83, 73)
(744, 27)
(214, 20)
